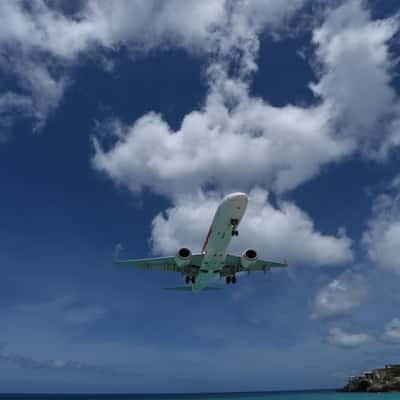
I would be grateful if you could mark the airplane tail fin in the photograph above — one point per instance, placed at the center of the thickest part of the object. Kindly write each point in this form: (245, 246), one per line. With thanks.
(189, 288)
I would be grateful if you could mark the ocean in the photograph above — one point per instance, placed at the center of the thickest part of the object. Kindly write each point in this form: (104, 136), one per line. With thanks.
(301, 395)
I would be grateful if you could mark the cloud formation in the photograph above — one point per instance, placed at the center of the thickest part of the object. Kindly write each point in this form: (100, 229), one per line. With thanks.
(382, 237)
(340, 297)
(276, 142)
(347, 36)
(341, 338)
(44, 40)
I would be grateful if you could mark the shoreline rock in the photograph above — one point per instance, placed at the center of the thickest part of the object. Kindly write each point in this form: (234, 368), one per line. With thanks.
(385, 379)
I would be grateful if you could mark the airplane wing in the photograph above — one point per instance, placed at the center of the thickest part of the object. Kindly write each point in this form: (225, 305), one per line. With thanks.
(233, 264)
(165, 264)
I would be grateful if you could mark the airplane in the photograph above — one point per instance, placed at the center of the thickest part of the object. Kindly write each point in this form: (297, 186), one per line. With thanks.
(213, 260)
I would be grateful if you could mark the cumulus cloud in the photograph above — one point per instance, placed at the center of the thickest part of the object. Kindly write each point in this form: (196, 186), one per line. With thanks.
(231, 129)
(392, 331)
(341, 338)
(279, 232)
(276, 142)
(382, 237)
(42, 40)
(340, 297)
(362, 102)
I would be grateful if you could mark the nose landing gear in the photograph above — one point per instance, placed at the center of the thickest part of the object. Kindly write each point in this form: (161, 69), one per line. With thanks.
(189, 279)
(234, 223)
(231, 279)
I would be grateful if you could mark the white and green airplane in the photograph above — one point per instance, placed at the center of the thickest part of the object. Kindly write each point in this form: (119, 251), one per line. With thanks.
(213, 260)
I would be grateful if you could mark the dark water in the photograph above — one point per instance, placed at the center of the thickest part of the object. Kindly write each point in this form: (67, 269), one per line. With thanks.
(303, 395)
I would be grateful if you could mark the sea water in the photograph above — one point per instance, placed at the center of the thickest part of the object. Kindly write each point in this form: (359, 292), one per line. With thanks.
(303, 395)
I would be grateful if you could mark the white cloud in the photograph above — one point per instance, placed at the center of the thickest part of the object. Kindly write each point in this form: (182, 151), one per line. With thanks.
(232, 128)
(382, 237)
(340, 297)
(392, 331)
(275, 143)
(357, 68)
(282, 232)
(41, 42)
(341, 338)
(240, 146)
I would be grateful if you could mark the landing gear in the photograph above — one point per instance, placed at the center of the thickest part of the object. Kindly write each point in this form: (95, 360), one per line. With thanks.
(234, 223)
(187, 279)
(231, 279)
(193, 279)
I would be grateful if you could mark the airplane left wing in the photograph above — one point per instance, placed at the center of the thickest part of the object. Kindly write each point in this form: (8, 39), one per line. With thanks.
(165, 264)
(233, 264)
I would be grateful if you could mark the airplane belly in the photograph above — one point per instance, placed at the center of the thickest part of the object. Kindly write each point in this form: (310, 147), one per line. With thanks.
(221, 235)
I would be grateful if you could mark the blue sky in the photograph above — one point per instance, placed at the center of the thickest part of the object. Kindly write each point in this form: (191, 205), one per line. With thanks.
(127, 122)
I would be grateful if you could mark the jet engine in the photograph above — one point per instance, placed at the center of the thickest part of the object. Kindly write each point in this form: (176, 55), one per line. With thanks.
(183, 257)
(248, 257)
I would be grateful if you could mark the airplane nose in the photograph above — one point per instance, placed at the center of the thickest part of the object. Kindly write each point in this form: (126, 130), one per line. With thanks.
(238, 198)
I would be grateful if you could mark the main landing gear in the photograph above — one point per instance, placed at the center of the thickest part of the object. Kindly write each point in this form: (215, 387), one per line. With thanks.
(231, 279)
(234, 223)
(189, 279)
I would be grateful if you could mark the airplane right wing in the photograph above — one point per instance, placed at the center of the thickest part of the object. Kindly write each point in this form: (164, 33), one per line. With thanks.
(233, 265)
(262, 265)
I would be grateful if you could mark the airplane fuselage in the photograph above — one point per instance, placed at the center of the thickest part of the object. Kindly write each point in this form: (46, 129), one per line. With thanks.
(223, 227)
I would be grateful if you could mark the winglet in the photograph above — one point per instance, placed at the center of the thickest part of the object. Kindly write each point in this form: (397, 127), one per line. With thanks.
(117, 251)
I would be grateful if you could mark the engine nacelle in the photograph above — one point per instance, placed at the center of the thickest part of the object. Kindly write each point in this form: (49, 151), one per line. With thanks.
(183, 257)
(248, 257)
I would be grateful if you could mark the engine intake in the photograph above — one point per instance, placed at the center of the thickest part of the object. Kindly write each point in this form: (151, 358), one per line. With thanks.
(183, 257)
(248, 257)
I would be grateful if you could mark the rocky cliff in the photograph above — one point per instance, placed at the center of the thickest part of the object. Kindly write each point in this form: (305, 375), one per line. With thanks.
(385, 379)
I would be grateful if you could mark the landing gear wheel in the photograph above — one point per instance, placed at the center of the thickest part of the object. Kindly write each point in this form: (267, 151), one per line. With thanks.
(235, 232)
(233, 279)
(193, 279)
(228, 279)
(187, 279)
